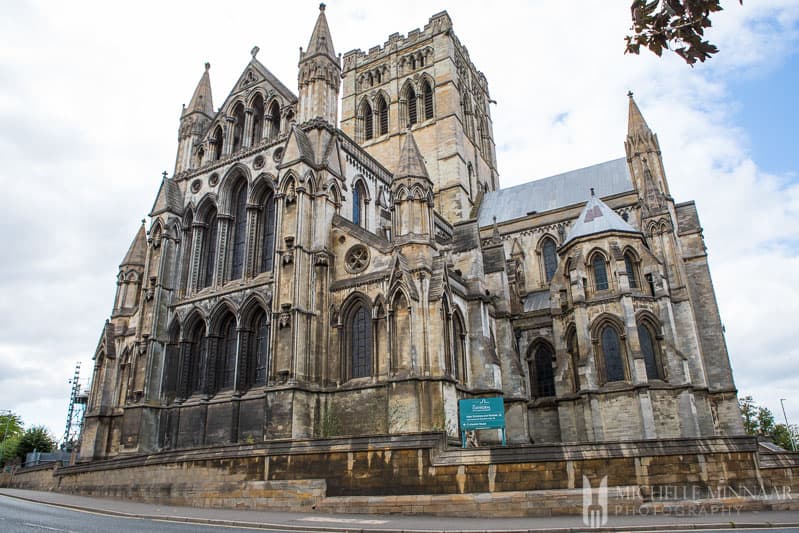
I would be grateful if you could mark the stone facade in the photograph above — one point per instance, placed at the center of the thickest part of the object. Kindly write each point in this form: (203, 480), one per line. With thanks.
(302, 279)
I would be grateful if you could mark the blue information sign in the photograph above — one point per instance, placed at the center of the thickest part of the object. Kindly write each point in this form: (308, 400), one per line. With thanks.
(481, 413)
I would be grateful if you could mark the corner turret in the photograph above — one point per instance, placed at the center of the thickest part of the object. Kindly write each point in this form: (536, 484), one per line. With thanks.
(193, 121)
(319, 75)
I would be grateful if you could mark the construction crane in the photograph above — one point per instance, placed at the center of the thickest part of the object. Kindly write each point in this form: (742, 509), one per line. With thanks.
(78, 398)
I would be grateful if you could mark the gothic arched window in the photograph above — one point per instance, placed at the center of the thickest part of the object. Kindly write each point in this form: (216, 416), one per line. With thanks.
(209, 250)
(550, 257)
(360, 332)
(238, 127)
(600, 272)
(574, 355)
(196, 359)
(411, 116)
(217, 140)
(268, 233)
(368, 121)
(427, 98)
(649, 350)
(382, 115)
(542, 376)
(459, 355)
(629, 265)
(171, 368)
(259, 349)
(226, 355)
(186, 251)
(359, 205)
(612, 354)
(239, 232)
(274, 120)
(257, 120)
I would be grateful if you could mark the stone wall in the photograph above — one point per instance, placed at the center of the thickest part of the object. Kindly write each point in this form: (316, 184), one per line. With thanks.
(385, 473)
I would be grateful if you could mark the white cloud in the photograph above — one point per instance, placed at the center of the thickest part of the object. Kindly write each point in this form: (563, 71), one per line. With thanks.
(90, 96)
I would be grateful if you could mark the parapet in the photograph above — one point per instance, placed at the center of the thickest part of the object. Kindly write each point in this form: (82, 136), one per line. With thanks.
(438, 23)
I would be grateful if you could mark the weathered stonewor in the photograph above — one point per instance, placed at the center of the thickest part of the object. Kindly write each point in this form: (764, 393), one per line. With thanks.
(419, 474)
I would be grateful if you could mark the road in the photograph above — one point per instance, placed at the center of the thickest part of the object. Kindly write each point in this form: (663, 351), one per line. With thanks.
(18, 516)
(40, 512)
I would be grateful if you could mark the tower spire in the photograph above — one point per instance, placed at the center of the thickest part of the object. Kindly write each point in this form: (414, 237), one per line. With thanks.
(321, 42)
(201, 100)
(320, 75)
(635, 120)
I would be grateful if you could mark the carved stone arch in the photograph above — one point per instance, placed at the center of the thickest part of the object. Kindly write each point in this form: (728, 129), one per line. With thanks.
(309, 179)
(398, 289)
(253, 94)
(251, 305)
(358, 178)
(379, 307)
(220, 311)
(629, 249)
(401, 194)
(194, 318)
(288, 182)
(156, 229)
(607, 319)
(131, 275)
(334, 191)
(206, 206)
(645, 315)
(262, 184)
(589, 257)
(174, 327)
(172, 228)
(124, 359)
(353, 298)
(237, 176)
(418, 193)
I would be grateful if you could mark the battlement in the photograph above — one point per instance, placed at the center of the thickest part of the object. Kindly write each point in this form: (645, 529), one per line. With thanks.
(438, 23)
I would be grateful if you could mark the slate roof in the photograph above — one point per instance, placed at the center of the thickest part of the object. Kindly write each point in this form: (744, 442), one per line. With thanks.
(597, 217)
(574, 187)
(169, 198)
(536, 301)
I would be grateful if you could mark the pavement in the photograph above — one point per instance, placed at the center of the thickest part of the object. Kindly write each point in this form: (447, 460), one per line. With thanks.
(709, 518)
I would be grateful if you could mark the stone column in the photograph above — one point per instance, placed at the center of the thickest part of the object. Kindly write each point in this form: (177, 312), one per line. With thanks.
(247, 133)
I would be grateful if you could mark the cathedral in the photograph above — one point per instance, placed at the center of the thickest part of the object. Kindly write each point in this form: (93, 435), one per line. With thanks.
(342, 262)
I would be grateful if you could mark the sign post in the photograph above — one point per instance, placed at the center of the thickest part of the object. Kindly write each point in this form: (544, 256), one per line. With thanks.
(481, 413)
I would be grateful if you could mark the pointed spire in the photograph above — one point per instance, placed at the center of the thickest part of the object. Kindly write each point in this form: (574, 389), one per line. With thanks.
(138, 249)
(202, 100)
(411, 163)
(596, 217)
(635, 120)
(321, 42)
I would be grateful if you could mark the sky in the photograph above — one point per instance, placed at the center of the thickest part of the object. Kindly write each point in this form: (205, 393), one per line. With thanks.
(91, 93)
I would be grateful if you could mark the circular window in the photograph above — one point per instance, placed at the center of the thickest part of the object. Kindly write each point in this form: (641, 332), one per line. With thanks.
(258, 162)
(357, 258)
(213, 180)
(196, 185)
(277, 155)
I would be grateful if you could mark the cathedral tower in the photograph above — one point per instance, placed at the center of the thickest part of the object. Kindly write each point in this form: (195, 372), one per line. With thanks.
(427, 83)
(320, 72)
